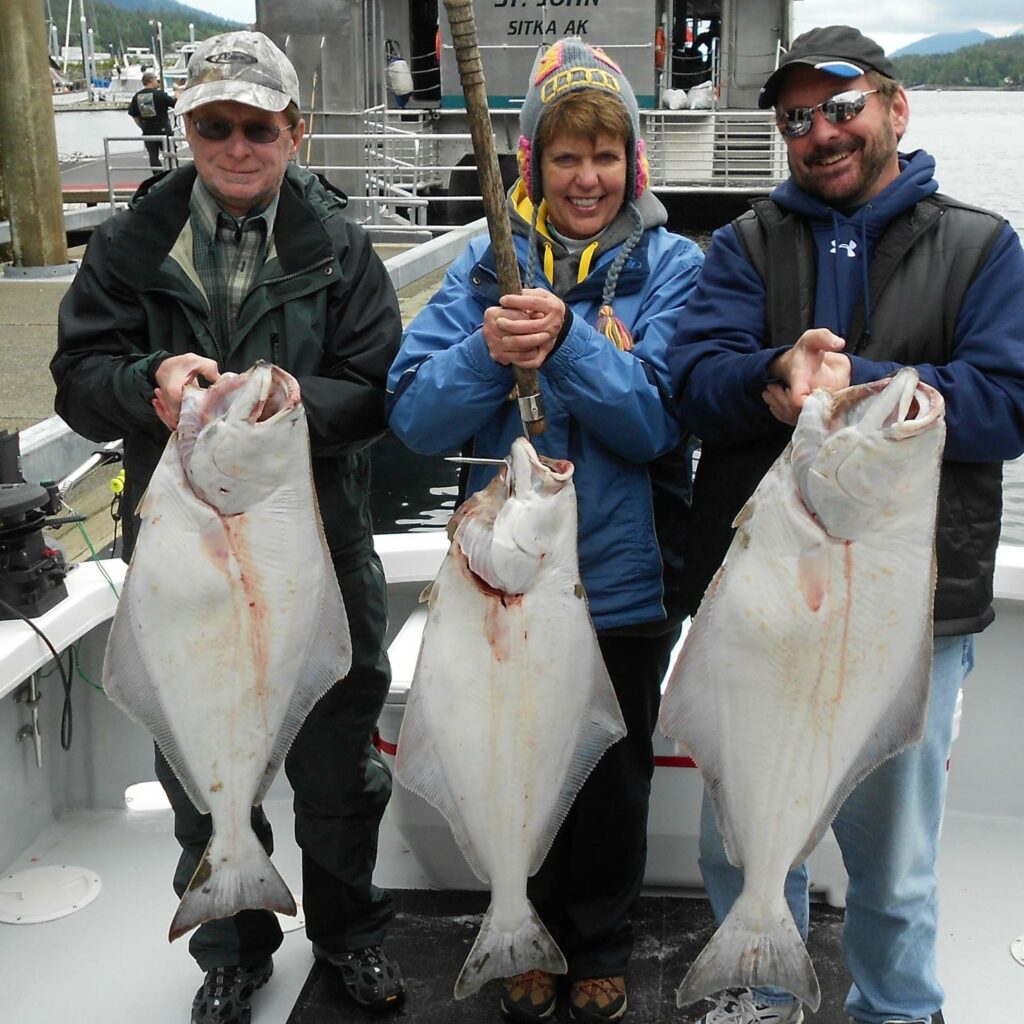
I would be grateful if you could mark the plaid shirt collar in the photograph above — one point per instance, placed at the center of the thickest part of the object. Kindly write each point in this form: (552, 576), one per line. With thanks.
(228, 253)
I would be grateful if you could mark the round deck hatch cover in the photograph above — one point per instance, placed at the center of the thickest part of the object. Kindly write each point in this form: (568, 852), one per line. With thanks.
(46, 893)
(1017, 949)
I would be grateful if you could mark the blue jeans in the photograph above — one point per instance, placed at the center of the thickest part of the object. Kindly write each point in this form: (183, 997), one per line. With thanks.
(888, 832)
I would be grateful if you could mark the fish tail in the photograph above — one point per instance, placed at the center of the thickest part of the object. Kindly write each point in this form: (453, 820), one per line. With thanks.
(222, 886)
(501, 954)
(753, 951)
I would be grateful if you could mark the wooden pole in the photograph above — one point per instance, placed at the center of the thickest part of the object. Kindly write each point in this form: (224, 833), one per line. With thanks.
(31, 169)
(471, 76)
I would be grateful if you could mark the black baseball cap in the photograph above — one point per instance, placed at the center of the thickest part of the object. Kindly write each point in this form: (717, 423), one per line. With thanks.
(836, 49)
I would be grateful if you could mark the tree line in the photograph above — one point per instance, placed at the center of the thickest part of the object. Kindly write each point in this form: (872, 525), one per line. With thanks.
(114, 28)
(993, 64)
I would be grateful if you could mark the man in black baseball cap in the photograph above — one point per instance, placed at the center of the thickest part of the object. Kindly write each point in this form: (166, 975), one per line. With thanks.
(855, 266)
(839, 50)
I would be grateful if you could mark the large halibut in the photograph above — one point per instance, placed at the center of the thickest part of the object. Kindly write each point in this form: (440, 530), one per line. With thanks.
(809, 660)
(230, 625)
(511, 706)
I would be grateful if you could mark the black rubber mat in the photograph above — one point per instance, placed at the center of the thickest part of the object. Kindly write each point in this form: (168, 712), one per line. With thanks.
(433, 932)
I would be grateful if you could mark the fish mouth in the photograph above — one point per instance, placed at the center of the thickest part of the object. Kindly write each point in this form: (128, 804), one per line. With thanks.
(906, 406)
(529, 472)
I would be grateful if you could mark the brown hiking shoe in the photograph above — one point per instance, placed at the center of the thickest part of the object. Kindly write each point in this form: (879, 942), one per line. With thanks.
(597, 1000)
(529, 996)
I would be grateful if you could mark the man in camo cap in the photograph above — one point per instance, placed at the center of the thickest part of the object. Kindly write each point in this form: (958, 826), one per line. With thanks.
(239, 257)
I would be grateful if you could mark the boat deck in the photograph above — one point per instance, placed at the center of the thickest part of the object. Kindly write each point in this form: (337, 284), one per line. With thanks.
(111, 961)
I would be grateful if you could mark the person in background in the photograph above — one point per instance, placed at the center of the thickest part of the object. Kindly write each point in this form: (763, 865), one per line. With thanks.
(239, 257)
(149, 110)
(604, 283)
(852, 268)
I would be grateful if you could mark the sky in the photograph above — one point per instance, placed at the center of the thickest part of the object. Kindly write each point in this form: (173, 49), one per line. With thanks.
(891, 23)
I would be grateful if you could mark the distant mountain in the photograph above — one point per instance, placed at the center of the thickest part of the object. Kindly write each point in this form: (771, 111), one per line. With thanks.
(120, 23)
(943, 42)
(994, 64)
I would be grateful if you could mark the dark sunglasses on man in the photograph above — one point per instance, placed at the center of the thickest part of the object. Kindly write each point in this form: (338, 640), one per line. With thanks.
(260, 132)
(838, 109)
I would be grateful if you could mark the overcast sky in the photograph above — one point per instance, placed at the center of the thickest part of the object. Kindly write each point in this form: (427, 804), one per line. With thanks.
(893, 23)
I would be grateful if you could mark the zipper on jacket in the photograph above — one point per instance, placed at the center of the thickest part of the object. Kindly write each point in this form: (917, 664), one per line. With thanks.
(275, 348)
(325, 262)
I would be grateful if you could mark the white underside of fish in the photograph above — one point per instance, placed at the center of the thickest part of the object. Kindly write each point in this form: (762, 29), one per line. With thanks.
(510, 709)
(228, 630)
(806, 666)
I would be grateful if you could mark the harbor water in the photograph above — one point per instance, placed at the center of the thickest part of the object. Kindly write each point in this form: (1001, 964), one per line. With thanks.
(980, 160)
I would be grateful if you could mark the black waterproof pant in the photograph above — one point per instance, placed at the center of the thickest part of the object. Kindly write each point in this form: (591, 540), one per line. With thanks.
(155, 149)
(341, 788)
(588, 885)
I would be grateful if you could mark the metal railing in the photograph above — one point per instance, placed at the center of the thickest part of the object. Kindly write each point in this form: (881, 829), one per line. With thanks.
(402, 168)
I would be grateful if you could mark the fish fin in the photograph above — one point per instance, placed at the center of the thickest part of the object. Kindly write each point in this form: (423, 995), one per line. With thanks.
(327, 660)
(600, 724)
(427, 592)
(498, 954)
(418, 768)
(900, 726)
(249, 882)
(743, 954)
(127, 682)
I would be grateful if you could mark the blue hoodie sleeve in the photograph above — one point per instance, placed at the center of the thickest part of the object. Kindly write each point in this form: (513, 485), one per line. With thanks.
(622, 398)
(983, 383)
(717, 363)
(442, 367)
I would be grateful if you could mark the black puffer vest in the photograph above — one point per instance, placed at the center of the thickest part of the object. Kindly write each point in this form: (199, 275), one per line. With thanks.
(913, 318)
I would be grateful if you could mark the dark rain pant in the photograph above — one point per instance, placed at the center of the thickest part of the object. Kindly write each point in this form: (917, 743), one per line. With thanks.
(155, 149)
(341, 788)
(588, 885)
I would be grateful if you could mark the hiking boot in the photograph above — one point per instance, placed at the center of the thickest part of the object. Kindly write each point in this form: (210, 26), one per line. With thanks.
(739, 1006)
(596, 1000)
(371, 978)
(529, 996)
(226, 993)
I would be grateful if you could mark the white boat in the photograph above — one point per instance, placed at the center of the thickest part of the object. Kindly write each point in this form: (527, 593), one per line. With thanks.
(175, 72)
(78, 822)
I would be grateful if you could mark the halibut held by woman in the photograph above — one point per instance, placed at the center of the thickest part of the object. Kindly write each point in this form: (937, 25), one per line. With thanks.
(808, 662)
(230, 625)
(511, 706)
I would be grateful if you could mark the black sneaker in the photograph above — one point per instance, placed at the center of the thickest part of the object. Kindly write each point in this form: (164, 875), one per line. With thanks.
(371, 978)
(225, 996)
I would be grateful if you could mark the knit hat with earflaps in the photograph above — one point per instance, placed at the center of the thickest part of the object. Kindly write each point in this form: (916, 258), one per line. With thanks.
(571, 65)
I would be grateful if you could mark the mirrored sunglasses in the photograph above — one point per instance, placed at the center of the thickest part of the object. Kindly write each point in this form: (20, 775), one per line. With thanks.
(838, 109)
(260, 132)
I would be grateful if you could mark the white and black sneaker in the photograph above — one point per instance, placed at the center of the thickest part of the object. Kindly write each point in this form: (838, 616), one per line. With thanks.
(739, 1006)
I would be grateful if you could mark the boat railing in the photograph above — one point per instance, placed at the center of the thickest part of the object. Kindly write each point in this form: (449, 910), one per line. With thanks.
(400, 172)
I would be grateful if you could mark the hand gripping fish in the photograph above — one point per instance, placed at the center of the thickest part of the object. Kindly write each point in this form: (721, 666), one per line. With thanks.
(511, 706)
(230, 625)
(808, 662)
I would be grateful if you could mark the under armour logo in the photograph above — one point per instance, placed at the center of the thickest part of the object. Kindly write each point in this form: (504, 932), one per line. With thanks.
(850, 248)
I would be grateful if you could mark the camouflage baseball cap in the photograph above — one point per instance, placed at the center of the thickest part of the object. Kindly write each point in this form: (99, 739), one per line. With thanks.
(242, 66)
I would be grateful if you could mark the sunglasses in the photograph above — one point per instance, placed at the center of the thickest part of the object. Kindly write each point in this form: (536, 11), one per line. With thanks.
(260, 132)
(838, 109)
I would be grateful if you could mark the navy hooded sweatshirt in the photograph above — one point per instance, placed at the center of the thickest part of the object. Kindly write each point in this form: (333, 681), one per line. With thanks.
(718, 367)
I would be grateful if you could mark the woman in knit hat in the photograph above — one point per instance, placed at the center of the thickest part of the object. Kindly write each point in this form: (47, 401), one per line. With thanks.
(603, 285)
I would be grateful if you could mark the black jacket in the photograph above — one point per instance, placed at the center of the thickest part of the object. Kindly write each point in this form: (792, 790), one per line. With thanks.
(323, 308)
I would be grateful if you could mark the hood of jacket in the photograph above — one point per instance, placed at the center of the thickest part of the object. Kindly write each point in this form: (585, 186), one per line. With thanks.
(844, 238)
(562, 267)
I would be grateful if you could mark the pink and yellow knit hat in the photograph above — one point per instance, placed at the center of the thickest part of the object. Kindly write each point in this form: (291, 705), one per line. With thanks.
(570, 65)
